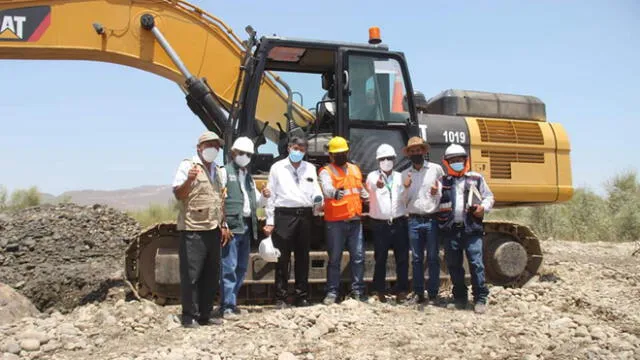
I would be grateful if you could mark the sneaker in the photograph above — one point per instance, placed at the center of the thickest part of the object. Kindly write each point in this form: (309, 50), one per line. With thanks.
(358, 296)
(301, 302)
(281, 304)
(230, 315)
(480, 308)
(416, 299)
(379, 297)
(329, 299)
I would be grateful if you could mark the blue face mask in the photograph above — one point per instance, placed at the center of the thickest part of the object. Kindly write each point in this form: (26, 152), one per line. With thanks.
(296, 155)
(457, 166)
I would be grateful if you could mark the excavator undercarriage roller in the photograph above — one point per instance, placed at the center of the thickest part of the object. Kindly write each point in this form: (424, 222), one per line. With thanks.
(512, 256)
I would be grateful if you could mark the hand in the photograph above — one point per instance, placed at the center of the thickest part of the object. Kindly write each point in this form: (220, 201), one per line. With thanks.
(268, 229)
(434, 188)
(479, 212)
(380, 182)
(226, 236)
(266, 192)
(407, 181)
(339, 194)
(193, 172)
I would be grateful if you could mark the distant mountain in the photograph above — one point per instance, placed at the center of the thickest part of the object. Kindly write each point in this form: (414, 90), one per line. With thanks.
(125, 199)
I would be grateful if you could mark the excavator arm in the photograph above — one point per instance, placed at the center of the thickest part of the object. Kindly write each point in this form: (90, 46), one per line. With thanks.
(207, 55)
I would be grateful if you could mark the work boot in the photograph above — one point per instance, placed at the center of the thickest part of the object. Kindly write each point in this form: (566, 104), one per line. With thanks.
(210, 321)
(191, 324)
(480, 308)
(329, 299)
(460, 304)
(301, 302)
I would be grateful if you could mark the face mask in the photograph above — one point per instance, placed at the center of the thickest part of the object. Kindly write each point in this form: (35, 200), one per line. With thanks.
(296, 156)
(242, 160)
(386, 165)
(417, 159)
(340, 159)
(209, 154)
(457, 166)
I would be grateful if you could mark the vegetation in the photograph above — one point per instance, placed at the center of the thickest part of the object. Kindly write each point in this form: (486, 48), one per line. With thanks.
(156, 213)
(587, 216)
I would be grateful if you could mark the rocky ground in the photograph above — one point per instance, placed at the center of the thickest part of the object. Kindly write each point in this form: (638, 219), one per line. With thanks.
(62, 256)
(585, 305)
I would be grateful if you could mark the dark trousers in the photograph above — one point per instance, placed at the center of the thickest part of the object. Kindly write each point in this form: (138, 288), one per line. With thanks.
(457, 243)
(292, 232)
(391, 236)
(199, 268)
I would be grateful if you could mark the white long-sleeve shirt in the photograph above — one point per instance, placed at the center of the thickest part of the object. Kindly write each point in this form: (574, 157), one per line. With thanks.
(388, 202)
(485, 192)
(291, 187)
(418, 197)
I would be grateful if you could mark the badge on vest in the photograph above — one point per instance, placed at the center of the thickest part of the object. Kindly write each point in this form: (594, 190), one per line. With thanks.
(233, 178)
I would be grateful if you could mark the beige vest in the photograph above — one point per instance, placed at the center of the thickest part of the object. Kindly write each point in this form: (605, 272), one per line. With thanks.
(202, 209)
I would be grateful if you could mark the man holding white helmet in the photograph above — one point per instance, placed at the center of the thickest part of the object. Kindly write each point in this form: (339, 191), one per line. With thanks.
(198, 186)
(240, 203)
(461, 223)
(389, 226)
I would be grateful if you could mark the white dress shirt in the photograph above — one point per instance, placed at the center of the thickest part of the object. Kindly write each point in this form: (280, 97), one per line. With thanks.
(388, 202)
(183, 171)
(418, 197)
(291, 187)
(487, 196)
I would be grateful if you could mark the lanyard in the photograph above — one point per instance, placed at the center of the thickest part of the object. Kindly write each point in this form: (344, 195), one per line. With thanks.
(388, 183)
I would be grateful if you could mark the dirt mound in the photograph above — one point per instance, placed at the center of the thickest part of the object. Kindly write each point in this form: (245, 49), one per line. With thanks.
(61, 256)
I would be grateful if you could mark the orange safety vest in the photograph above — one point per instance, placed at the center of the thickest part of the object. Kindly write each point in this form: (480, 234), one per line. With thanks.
(350, 205)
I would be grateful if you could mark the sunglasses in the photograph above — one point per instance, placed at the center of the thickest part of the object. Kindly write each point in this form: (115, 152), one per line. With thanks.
(387, 158)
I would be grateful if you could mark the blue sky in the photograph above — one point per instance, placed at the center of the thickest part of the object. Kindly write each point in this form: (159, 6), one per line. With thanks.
(60, 128)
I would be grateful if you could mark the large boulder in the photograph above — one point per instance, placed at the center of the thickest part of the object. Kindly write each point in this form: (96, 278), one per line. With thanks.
(14, 306)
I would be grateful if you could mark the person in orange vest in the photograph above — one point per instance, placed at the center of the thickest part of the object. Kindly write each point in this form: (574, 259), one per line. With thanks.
(343, 189)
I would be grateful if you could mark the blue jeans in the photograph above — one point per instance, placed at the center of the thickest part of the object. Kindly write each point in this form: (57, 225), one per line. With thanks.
(235, 258)
(456, 243)
(339, 234)
(391, 236)
(423, 233)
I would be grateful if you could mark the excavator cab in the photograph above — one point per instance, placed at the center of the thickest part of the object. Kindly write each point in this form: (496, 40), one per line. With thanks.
(352, 90)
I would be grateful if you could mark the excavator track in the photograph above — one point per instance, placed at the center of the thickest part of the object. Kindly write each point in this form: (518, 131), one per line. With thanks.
(512, 256)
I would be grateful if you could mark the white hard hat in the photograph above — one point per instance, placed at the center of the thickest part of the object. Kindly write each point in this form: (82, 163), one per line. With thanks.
(267, 252)
(454, 150)
(385, 150)
(243, 143)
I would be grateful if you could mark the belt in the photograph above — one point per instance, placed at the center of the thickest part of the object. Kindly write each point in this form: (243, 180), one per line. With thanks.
(390, 221)
(423, 216)
(298, 211)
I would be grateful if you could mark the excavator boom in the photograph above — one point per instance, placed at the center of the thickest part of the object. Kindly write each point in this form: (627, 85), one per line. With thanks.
(111, 31)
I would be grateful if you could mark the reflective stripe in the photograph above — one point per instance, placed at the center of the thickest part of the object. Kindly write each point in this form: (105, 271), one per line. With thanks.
(347, 192)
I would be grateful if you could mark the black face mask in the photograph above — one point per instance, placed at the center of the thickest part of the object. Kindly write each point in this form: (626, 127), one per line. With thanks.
(340, 159)
(417, 159)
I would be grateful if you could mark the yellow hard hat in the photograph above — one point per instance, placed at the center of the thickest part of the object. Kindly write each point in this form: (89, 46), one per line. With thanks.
(338, 144)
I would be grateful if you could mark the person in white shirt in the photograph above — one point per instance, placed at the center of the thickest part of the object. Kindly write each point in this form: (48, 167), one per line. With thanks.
(389, 227)
(295, 191)
(461, 225)
(241, 202)
(197, 186)
(423, 196)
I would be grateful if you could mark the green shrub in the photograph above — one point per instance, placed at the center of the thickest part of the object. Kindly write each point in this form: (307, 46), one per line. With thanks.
(3, 198)
(21, 199)
(156, 213)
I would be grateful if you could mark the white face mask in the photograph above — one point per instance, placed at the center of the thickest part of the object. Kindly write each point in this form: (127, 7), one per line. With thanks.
(209, 154)
(386, 165)
(242, 160)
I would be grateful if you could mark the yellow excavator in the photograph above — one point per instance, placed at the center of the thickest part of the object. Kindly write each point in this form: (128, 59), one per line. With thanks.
(361, 91)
